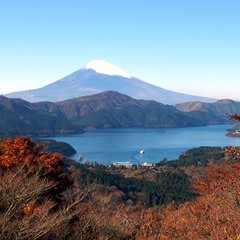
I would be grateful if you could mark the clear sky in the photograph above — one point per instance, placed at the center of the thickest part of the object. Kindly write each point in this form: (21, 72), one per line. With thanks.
(191, 46)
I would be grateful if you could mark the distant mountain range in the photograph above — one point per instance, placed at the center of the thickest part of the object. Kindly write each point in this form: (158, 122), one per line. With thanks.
(105, 110)
(98, 76)
(219, 107)
(214, 112)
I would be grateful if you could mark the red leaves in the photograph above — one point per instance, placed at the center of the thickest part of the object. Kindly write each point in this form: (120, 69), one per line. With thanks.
(213, 215)
(23, 149)
(235, 117)
(232, 153)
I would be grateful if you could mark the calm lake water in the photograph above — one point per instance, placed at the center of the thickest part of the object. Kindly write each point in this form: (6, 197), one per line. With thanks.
(109, 145)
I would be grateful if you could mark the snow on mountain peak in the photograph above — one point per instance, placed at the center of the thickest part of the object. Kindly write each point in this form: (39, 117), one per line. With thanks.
(104, 67)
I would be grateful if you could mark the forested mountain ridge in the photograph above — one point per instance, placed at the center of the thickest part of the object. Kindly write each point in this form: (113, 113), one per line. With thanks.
(219, 107)
(112, 109)
(18, 117)
(212, 112)
(104, 110)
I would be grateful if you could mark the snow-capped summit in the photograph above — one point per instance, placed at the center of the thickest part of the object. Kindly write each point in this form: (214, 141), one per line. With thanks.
(98, 76)
(104, 67)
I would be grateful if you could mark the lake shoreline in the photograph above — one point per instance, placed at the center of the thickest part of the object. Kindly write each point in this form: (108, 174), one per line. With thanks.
(106, 146)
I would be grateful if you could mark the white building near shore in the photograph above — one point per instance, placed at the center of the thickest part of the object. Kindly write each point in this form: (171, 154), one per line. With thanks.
(125, 164)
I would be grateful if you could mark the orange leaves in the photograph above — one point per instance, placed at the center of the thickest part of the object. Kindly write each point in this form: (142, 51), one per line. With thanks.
(232, 153)
(235, 117)
(213, 215)
(23, 149)
(29, 207)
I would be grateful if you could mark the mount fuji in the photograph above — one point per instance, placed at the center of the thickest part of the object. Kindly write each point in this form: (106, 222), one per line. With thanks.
(98, 76)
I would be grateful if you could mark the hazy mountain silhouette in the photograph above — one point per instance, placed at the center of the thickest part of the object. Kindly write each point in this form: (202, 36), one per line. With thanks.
(98, 76)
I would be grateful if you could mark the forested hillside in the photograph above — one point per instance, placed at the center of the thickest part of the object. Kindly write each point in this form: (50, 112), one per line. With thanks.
(18, 117)
(54, 146)
(195, 198)
(213, 111)
(105, 110)
(112, 109)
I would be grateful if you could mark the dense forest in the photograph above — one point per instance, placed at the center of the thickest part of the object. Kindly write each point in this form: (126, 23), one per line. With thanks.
(201, 156)
(167, 186)
(54, 146)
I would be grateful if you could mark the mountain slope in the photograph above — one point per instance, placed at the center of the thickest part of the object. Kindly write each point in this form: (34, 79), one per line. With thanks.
(219, 108)
(112, 109)
(104, 110)
(18, 117)
(213, 111)
(98, 76)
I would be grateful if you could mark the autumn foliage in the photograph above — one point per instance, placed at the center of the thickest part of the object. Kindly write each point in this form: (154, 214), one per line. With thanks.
(23, 150)
(38, 200)
(215, 214)
(32, 185)
(235, 117)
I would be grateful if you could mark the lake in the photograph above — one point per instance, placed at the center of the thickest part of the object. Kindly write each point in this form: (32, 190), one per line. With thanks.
(109, 145)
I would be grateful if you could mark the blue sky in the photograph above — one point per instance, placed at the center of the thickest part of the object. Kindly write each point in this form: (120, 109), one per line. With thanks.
(189, 46)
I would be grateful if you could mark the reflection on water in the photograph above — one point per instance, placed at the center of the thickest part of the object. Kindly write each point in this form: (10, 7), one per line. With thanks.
(110, 145)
